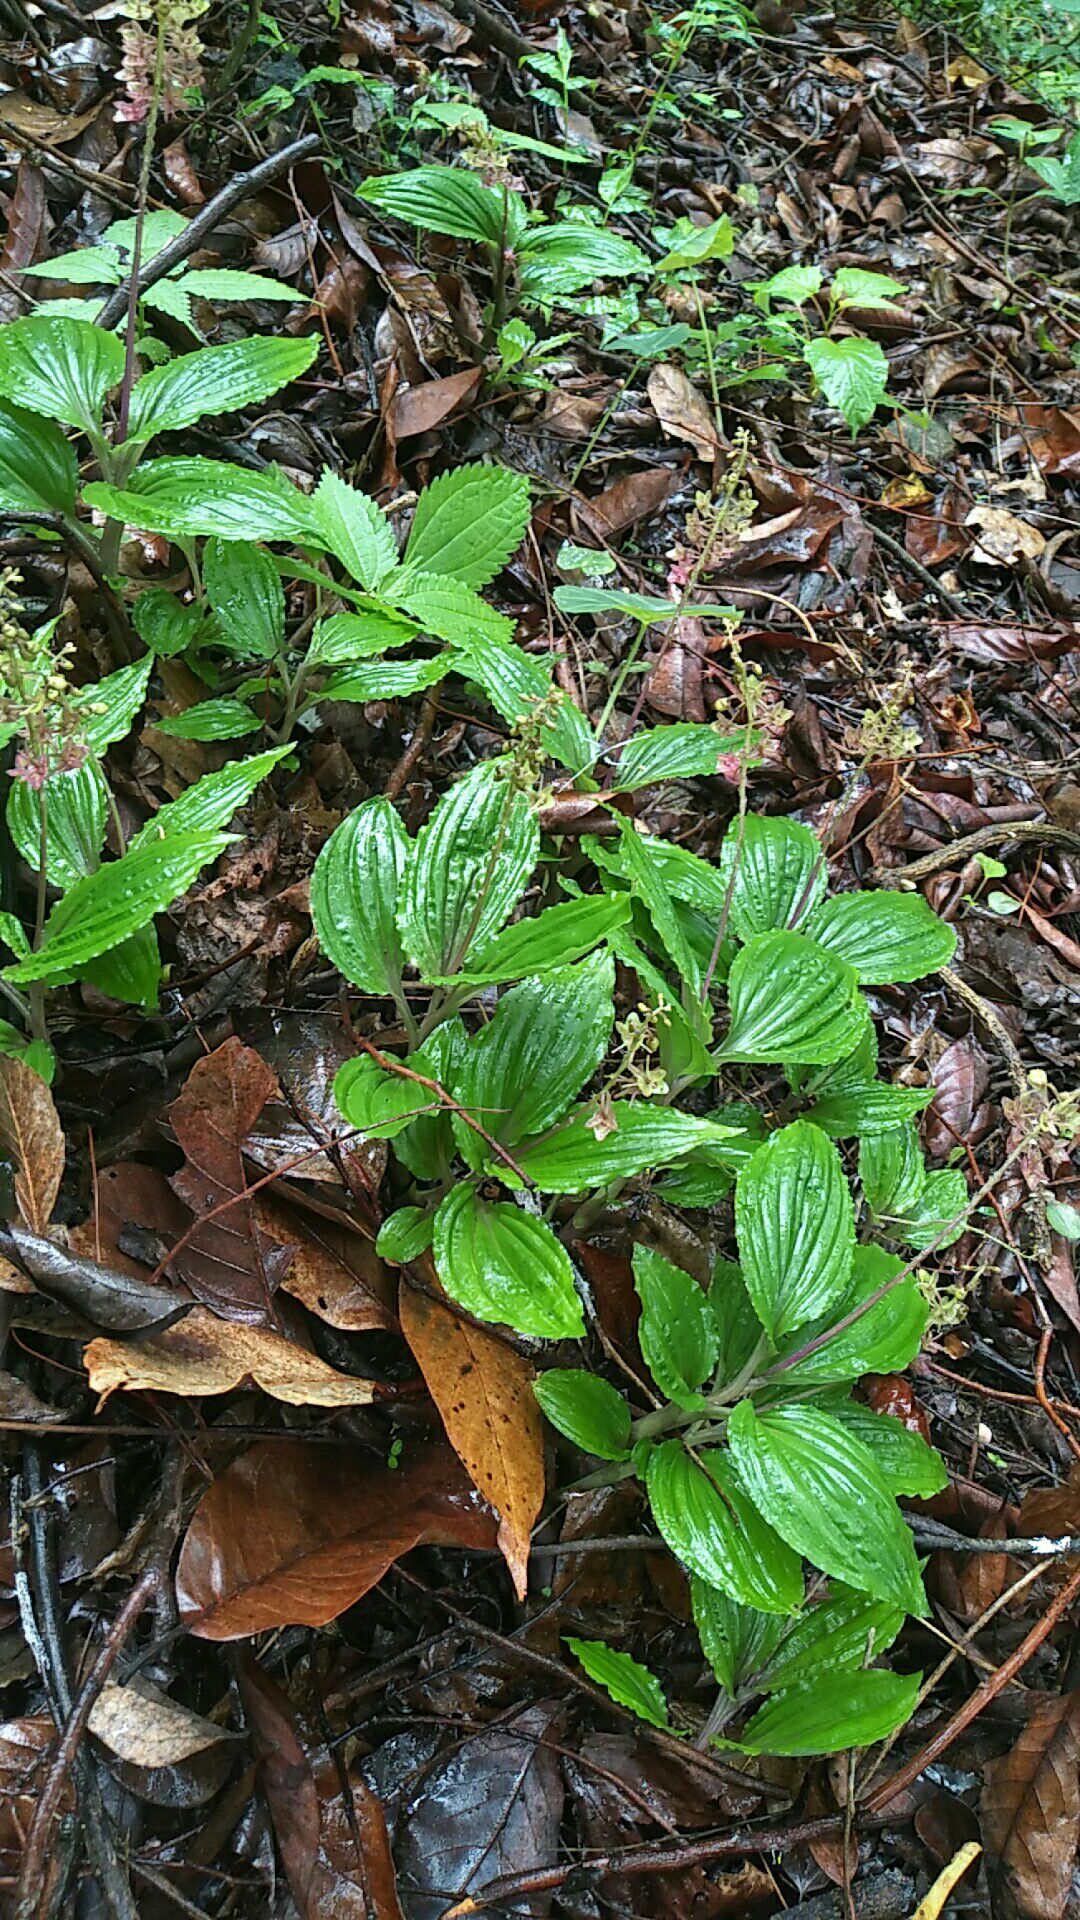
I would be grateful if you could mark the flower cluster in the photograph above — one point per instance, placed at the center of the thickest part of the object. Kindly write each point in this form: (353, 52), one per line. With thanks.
(36, 699)
(180, 57)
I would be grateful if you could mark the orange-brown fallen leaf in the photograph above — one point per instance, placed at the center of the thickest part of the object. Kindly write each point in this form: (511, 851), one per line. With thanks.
(483, 1391)
(31, 1137)
(292, 1534)
(203, 1354)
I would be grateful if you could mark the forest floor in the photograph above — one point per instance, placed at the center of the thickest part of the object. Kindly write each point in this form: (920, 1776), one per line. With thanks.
(923, 570)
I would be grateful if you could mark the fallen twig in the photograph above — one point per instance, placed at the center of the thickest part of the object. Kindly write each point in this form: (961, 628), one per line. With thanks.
(204, 222)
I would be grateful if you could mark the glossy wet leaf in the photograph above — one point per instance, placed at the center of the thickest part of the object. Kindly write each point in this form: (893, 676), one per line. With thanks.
(628, 1682)
(795, 1221)
(854, 1710)
(885, 936)
(355, 885)
(547, 1038)
(505, 1265)
(776, 871)
(38, 468)
(570, 1157)
(468, 523)
(703, 1510)
(821, 1490)
(215, 380)
(244, 589)
(790, 1000)
(471, 865)
(677, 1332)
(61, 368)
(587, 1410)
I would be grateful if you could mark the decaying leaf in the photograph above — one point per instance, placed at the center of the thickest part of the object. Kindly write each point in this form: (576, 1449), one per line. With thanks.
(227, 1263)
(207, 1355)
(334, 1271)
(1001, 539)
(140, 1724)
(1030, 1808)
(99, 1293)
(683, 411)
(292, 1534)
(493, 1806)
(336, 1856)
(31, 1136)
(483, 1390)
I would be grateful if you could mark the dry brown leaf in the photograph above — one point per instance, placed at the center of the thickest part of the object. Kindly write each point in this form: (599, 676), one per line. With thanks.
(31, 1136)
(141, 1724)
(682, 410)
(292, 1534)
(1030, 1808)
(417, 410)
(1001, 539)
(334, 1272)
(203, 1354)
(483, 1391)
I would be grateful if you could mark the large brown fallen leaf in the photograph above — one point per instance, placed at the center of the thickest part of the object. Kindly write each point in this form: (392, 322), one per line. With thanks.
(1001, 539)
(338, 1867)
(204, 1354)
(1030, 1808)
(683, 411)
(101, 1294)
(227, 1263)
(31, 1137)
(291, 1535)
(483, 1391)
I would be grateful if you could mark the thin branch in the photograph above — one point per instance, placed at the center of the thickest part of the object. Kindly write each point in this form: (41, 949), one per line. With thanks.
(203, 223)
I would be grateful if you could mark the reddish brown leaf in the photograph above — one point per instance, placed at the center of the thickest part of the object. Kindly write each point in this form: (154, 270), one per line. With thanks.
(25, 216)
(483, 1391)
(676, 684)
(989, 645)
(331, 1877)
(418, 409)
(635, 497)
(1030, 1808)
(181, 175)
(130, 1197)
(227, 1263)
(293, 1534)
(1053, 435)
(960, 1078)
(32, 1138)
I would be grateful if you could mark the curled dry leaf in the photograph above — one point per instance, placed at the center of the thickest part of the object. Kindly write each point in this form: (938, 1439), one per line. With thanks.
(417, 410)
(1001, 540)
(227, 1263)
(291, 1535)
(207, 1355)
(337, 1858)
(483, 1391)
(683, 411)
(1030, 1808)
(100, 1294)
(31, 1137)
(140, 1724)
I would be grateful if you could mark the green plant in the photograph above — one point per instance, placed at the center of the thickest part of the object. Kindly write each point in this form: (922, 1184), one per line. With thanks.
(542, 261)
(1061, 177)
(109, 262)
(60, 372)
(509, 1131)
(851, 371)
